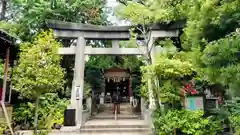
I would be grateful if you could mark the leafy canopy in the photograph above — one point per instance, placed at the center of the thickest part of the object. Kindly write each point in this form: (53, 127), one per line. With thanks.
(167, 72)
(206, 20)
(31, 15)
(39, 70)
(220, 61)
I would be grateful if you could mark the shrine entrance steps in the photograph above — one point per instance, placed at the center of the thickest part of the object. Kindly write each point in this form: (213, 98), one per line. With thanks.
(115, 127)
(127, 123)
(125, 108)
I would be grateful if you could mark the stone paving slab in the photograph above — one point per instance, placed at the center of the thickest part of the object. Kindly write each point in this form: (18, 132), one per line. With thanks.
(77, 133)
(118, 116)
(116, 134)
(114, 122)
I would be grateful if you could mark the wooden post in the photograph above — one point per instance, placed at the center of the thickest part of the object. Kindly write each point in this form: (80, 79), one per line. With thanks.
(130, 92)
(5, 74)
(4, 90)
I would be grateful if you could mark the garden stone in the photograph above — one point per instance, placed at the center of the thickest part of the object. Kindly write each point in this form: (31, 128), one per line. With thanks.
(18, 127)
(25, 126)
(58, 126)
(6, 132)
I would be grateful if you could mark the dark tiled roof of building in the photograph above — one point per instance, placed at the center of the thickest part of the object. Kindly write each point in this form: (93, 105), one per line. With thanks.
(5, 37)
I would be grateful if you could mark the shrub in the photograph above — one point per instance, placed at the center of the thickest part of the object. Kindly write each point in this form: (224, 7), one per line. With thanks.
(189, 122)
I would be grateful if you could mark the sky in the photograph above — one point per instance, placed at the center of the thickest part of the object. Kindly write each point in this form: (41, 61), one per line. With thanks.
(111, 4)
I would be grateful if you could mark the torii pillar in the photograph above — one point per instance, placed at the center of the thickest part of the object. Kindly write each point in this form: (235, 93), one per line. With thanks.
(78, 80)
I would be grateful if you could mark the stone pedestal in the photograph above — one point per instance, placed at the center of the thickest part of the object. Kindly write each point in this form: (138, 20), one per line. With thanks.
(142, 107)
(89, 104)
(102, 96)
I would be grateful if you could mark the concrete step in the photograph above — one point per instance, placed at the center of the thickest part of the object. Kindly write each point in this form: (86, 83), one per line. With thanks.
(113, 126)
(121, 112)
(119, 117)
(79, 133)
(115, 122)
(102, 133)
(126, 107)
(132, 133)
(115, 130)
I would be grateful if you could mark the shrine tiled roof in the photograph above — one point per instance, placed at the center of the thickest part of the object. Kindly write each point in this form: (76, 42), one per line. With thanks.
(5, 37)
(116, 69)
(6, 41)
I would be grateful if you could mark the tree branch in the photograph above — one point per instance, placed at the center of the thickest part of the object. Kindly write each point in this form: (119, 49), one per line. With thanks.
(124, 2)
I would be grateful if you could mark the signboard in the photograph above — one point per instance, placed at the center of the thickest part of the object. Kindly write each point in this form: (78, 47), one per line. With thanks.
(211, 103)
(2, 116)
(194, 103)
(77, 89)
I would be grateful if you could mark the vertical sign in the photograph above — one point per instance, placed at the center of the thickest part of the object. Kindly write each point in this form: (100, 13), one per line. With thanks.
(77, 89)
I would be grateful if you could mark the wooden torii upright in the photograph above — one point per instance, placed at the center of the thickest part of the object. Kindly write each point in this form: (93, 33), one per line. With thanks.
(83, 32)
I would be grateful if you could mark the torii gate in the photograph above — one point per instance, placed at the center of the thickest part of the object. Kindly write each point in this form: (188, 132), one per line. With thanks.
(83, 32)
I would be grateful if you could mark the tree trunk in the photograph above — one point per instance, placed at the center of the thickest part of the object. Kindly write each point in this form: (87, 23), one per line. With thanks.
(175, 131)
(36, 116)
(156, 94)
(4, 8)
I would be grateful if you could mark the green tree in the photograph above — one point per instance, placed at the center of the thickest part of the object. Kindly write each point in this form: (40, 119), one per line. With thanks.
(141, 17)
(220, 62)
(204, 42)
(28, 17)
(206, 20)
(168, 72)
(31, 15)
(38, 71)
